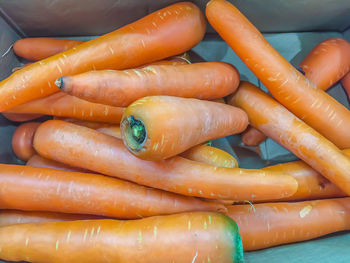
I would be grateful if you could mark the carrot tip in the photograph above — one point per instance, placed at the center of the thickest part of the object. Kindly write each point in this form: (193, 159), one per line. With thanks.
(59, 83)
(134, 133)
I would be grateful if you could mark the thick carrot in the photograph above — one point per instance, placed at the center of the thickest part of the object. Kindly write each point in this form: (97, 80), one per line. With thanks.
(158, 127)
(272, 224)
(15, 217)
(21, 117)
(346, 84)
(22, 140)
(164, 33)
(38, 48)
(327, 62)
(290, 87)
(278, 123)
(252, 137)
(83, 147)
(63, 105)
(43, 189)
(207, 80)
(197, 237)
(210, 155)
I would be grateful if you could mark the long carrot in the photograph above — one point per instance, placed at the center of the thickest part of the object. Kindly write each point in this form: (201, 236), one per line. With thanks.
(164, 33)
(39, 48)
(21, 117)
(14, 217)
(253, 137)
(278, 123)
(207, 80)
(272, 224)
(22, 140)
(290, 87)
(197, 237)
(44, 189)
(346, 84)
(83, 147)
(158, 127)
(63, 105)
(327, 62)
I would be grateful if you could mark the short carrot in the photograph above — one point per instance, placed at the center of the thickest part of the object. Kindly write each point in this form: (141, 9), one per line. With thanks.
(22, 140)
(346, 84)
(278, 123)
(290, 87)
(327, 63)
(158, 127)
(21, 117)
(206, 80)
(253, 137)
(197, 237)
(63, 105)
(15, 217)
(86, 148)
(149, 39)
(271, 224)
(44, 189)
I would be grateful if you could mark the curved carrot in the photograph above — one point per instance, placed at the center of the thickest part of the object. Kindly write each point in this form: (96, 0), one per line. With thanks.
(158, 127)
(63, 105)
(90, 149)
(291, 88)
(21, 117)
(197, 237)
(149, 39)
(272, 224)
(210, 155)
(22, 140)
(38, 48)
(207, 80)
(278, 123)
(327, 62)
(44, 189)
(252, 137)
(346, 84)
(15, 217)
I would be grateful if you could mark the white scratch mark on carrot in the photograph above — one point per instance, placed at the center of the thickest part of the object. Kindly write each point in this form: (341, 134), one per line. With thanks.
(154, 24)
(59, 68)
(194, 258)
(190, 190)
(111, 49)
(161, 17)
(49, 83)
(92, 232)
(85, 235)
(61, 60)
(58, 189)
(155, 231)
(106, 111)
(305, 211)
(98, 230)
(143, 43)
(27, 241)
(271, 79)
(57, 243)
(139, 238)
(189, 225)
(68, 236)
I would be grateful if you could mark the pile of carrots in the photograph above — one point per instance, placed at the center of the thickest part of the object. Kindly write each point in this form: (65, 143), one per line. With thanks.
(123, 171)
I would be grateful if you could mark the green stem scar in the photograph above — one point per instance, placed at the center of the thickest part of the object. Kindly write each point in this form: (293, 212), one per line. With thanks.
(135, 133)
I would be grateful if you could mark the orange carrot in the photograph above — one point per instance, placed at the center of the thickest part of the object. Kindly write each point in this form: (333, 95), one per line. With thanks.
(278, 123)
(207, 80)
(272, 224)
(61, 104)
(346, 84)
(86, 148)
(158, 127)
(21, 117)
(327, 62)
(149, 39)
(22, 140)
(39, 48)
(252, 137)
(15, 217)
(197, 237)
(291, 88)
(44, 189)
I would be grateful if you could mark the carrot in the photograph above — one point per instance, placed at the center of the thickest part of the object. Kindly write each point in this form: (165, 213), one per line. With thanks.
(21, 117)
(290, 87)
(210, 155)
(43, 189)
(38, 161)
(272, 224)
(86, 148)
(22, 140)
(149, 39)
(278, 123)
(38, 48)
(252, 137)
(207, 80)
(15, 217)
(327, 62)
(90, 124)
(61, 104)
(158, 127)
(346, 84)
(197, 237)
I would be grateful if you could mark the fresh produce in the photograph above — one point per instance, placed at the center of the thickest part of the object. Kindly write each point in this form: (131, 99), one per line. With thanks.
(252, 137)
(159, 127)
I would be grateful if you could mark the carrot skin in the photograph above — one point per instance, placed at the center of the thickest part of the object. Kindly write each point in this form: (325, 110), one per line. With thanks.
(253, 137)
(21, 117)
(271, 224)
(86, 148)
(278, 123)
(290, 87)
(198, 237)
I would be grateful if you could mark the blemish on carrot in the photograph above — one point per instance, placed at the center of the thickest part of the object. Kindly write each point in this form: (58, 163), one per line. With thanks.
(305, 211)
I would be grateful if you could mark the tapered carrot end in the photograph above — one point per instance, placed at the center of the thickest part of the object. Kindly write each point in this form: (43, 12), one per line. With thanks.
(59, 83)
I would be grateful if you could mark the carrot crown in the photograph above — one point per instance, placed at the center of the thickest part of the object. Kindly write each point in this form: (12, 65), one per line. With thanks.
(135, 133)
